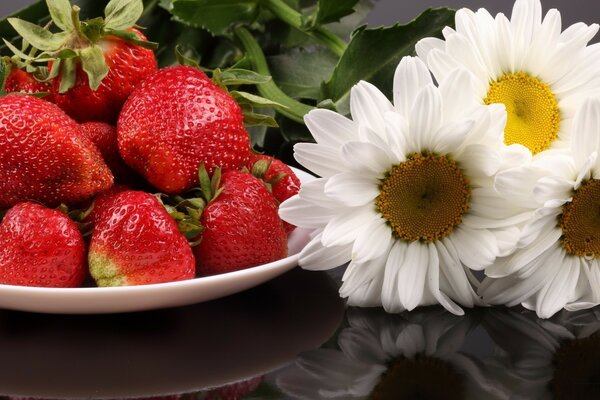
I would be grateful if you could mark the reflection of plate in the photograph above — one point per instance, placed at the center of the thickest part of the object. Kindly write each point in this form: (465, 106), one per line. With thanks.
(169, 351)
(146, 297)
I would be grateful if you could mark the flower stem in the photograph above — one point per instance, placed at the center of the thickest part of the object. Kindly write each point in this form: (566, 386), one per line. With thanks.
(292, 17)
(294, 109)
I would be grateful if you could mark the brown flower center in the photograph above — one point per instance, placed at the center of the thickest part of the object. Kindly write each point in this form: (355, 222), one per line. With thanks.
(580, 221)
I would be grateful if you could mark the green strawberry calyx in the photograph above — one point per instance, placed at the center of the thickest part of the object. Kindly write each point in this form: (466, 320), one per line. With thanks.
(77, 41)
(186, 209)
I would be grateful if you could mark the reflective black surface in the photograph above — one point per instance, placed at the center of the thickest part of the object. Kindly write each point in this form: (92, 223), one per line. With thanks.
(293, 338)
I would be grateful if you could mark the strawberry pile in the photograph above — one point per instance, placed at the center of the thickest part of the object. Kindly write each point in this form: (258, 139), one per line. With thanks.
(117, 172)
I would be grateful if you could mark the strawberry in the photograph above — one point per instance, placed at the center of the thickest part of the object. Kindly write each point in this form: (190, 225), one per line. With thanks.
(280, 178)
(95, 64)
(44, 157)
(40, 247)
(136, 242)
(128, 64)
(176, 120)
(241, 227)
(21, 81)
(104, 137)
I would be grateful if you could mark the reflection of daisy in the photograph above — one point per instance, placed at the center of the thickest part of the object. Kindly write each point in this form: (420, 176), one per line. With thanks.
(550, 359)
(539, 73)
(406, 193)
(386, 356)
(557, 263)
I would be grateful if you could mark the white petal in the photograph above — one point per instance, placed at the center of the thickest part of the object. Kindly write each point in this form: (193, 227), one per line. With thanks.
(522, 258)
(343, 228)
(458, 81)
(367, 157)
(319, 159)
(525, 19)
(585, 138)
(507, 239)
(426, 116)
(389, 295)
(363, 283)
(330, 128)
(450, 137)
(314, 256)
(374, 240)
(410, 77)
(411, 275)
(433, 282)
(314, 192)
(476, 248)
(424, 46)
(304, 214)
(542, 221)
(452, 270)
(368, 105)
(479, 160)
(352, 189)
(516, 185)
(555, 295)
(553, 188)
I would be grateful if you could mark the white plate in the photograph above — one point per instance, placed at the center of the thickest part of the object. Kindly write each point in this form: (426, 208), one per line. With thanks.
(146, 297)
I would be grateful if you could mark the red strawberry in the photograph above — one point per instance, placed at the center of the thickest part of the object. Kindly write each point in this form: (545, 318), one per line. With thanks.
(40, 247)
(104, 137)
(176, 120)
(241, 227)
(44, 157)
(23, 82)
(283, 181)
(98, 62)
(136, 242)
(128, 64)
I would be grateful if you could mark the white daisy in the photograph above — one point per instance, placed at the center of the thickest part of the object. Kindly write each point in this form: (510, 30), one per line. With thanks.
(541, 75)
(406, 192)
(384, 356)
(557, 263)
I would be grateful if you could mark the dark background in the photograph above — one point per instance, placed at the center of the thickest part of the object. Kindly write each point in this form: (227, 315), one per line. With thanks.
(388, 12)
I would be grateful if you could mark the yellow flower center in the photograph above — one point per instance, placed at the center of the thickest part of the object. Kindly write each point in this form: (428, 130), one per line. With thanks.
(424, 198)
(580, 221)
(532, 108)
(412, 379)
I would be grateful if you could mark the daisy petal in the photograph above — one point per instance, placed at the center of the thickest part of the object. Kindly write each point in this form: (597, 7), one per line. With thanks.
(330, 128)
(426, 116)
(372, 242)
(368, 105)
(389, 295)
(433, 282)
(555, 295)
(351, 189)
(410, 77)
(586, 130)
(301, 213)
(344, 227)
(454, 273)
(478, 256)
(411, 275)
(317, 257)
(321, 160)
(553, 188)
(366, 157)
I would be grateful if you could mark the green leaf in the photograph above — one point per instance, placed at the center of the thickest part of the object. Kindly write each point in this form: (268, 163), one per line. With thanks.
(373, 54)
(238, 76)
(94, 65)
(67, 75)
(37, 36)
(60, 12)
(215, 16)
(5, 68)
(300, 73)
(332, 10)
(254, 119)
(254, 100)
(133, 37)
(123, 14)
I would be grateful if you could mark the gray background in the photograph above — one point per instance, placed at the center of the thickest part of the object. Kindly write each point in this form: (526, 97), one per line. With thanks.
(390, 11)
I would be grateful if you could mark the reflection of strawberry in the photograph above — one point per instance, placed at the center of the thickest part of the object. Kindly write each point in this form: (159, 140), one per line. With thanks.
(234, 391)
(40, 247)
(44, 157)
(241, 227)
(281, 179)
(136, 242)
(176, 120)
